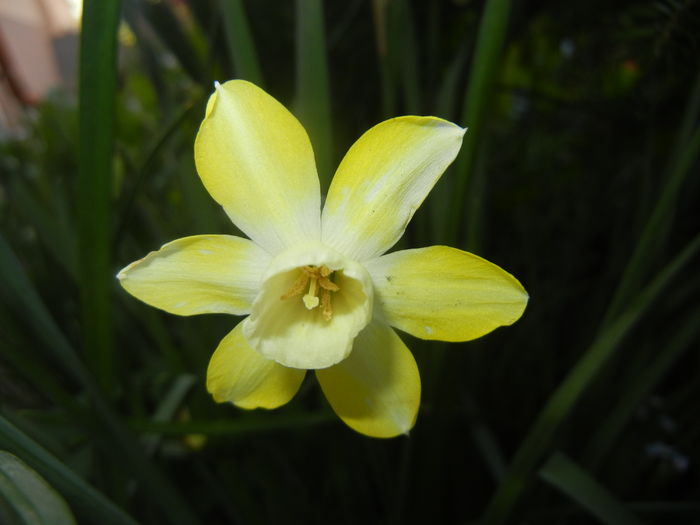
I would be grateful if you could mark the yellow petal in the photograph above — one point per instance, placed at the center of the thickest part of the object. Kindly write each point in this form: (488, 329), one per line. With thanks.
(256, 160)
(383, 180)
(376, 390)
(445, 294)
(293, 332)
(199, 274)
(239, 375)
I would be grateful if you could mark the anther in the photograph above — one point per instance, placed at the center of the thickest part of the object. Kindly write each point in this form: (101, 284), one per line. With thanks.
(317, 279)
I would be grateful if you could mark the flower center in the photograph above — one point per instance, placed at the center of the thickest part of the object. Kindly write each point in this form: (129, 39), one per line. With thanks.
(318, 279)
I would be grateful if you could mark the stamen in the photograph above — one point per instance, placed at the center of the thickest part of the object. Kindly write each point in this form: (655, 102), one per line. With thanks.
(327, 284)
(318, 280)
(326, 309)
(298, 286)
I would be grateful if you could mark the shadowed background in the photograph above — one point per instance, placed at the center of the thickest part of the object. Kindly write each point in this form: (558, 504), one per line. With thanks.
(578, 175)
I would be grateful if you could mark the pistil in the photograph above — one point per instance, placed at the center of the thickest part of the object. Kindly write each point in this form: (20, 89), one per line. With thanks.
(310, 299)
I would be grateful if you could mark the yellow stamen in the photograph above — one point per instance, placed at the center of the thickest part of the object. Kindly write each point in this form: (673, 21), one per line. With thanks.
(298, 286)
(318, 280)
(326, 309)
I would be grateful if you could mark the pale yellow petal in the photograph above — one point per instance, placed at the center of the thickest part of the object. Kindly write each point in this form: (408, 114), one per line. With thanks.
(382, 181)
(239, 375)
(256, 160)
(445, 294)
(293, 330)
(376, 390)
(199, 274)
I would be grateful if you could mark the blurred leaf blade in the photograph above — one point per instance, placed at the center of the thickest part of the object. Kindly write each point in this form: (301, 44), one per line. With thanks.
(84, 497)
(313, 91)
(170, 30)
(97, 91)
(468, 193)
(568, 477)
(28, 493)
(234, 427)
(603, 437)
(240, 42)
(18, 292)
(646, 249)
(562, 401)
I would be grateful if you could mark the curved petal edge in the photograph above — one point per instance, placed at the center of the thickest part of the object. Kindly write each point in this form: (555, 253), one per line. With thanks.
(382, 181)
(445, 294)
(198, 274)
(238, 374)
(376, 390)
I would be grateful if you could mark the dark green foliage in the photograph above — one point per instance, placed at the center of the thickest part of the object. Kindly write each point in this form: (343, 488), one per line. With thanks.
(579, 175)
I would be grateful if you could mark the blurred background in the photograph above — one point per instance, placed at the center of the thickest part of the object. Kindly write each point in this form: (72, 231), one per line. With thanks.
(579, 175)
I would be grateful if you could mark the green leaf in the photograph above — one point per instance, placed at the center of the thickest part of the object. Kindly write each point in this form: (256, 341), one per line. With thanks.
(241, 426)
(18, 292)
(686, 152)
(402, 45)
(240, 42)
(631, 394)
(313, 94)
(84, 498)
(168, 407)
(97, 85)
(562, 402)
(469, 188)
(20, 296)
(170, 30)
(28, 494)
(574, 481)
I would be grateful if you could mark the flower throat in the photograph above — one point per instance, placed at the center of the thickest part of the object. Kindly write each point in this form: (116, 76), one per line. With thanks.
(318, 280)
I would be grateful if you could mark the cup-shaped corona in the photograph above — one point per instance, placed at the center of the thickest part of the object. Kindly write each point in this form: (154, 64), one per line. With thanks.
(312, 304)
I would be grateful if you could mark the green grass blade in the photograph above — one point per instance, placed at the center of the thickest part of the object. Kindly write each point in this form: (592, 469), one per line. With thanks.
(168, 407)
(84, 498)
(38, 372)
(97, 85)
(54, 234)
(234, 427)
(561, 403)
(574, 481)
(690, 119)
(379, 12)
(650, 239)
(402, 37)
(146, 165)
(33, 500)
(170, 30)
(240, 42)
(446, 107)
(313, 96)
(17, 291)
(469, 192)
(632, 394)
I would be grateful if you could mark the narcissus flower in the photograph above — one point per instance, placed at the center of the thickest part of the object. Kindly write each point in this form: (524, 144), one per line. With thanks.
(316, 288)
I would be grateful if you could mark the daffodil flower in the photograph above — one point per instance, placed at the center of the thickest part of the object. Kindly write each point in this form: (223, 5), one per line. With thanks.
(317, 289)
